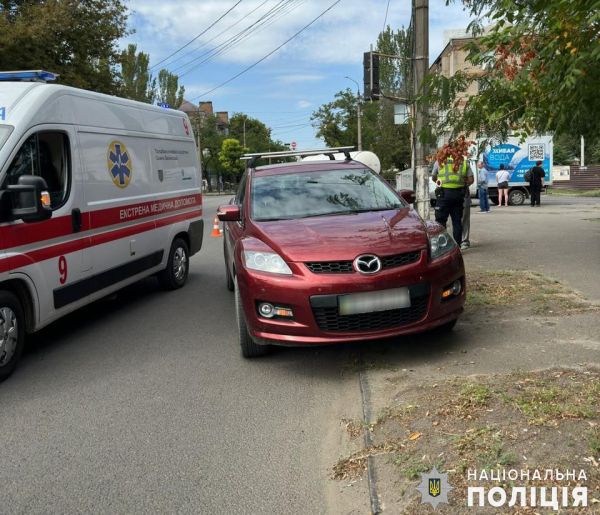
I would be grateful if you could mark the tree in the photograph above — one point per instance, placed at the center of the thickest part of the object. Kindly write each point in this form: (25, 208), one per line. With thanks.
(76, 39)
(167, 89)
(258, 135)
(137, 82)
(229, 157)
(541, 68)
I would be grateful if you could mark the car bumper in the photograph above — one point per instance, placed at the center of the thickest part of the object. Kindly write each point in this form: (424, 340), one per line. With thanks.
(312, 326)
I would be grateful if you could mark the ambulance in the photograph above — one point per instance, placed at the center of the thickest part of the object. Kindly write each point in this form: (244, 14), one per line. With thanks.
(96, 192)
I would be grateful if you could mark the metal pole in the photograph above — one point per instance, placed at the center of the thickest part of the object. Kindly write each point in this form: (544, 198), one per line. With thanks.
(421, 66)
(244, 132)
(582, 161)
(358, 113)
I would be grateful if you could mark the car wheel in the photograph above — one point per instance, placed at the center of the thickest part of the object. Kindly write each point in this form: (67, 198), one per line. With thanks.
(175, 274)
(12, 333)
(228, 278)
(516, 197)
(249, 348)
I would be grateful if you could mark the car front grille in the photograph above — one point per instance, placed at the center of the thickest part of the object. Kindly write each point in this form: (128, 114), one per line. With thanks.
(345, 267)
(329, 319)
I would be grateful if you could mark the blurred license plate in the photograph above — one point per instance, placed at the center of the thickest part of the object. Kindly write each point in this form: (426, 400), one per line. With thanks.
(372, 301)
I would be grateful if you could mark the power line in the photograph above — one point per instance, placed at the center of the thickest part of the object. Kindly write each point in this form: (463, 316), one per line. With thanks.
(270, 53)
(281, 8)
(386, 15)
(201, 33)
(205, 43)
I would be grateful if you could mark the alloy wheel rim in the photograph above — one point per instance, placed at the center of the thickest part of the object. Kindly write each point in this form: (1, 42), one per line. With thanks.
(179, 263)
(9, 335)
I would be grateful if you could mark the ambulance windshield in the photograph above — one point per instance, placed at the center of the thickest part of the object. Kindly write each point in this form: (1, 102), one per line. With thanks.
(5, 131)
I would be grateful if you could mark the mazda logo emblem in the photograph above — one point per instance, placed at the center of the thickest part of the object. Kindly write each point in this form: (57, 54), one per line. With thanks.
(367, 264)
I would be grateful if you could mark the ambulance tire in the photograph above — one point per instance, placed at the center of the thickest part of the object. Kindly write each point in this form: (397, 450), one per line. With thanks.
(248, 347)
(11, 307)
(175, 274)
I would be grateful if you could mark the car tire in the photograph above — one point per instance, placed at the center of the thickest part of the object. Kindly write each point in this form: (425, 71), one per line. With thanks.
(12, 333)
(228, 277)
(516, 197)
(175, 274)
(249, 348)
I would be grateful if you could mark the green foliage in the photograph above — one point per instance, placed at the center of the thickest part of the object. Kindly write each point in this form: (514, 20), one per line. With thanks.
(540, 66)
(137, 82)
(258, 135)
(169, 91)
(76, 39)
(229, 157)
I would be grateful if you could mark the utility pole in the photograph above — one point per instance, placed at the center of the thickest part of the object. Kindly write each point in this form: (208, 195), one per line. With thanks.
(244, 131)
(358, 113)
(421, 66)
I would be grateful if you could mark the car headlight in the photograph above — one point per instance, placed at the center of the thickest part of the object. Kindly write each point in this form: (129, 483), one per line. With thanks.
(440, 244)
(266, 262)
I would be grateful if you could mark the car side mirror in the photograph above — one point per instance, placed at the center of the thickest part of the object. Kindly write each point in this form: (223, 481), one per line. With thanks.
(30, 200)
(408, 195)
(229, 213)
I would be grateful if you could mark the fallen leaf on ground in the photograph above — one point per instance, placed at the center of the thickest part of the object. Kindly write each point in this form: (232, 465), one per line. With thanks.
(415, 436)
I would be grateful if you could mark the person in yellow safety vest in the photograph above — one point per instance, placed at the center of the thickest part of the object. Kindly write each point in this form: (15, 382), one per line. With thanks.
(450, 194)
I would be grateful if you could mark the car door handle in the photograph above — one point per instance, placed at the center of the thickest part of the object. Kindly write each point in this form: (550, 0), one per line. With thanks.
(76, 219)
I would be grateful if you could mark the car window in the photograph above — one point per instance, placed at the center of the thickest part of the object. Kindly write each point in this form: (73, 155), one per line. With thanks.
(320, 193)
(241, 193)
(45, 154)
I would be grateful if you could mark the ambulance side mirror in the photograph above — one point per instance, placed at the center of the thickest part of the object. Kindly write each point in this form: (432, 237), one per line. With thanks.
(30, 200)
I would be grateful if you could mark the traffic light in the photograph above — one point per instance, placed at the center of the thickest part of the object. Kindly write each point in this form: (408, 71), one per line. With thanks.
(371, 75)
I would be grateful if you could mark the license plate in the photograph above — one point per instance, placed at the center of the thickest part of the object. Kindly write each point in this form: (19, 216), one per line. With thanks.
(373, 301)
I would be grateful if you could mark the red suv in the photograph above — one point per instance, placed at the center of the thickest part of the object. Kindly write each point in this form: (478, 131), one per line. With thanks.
(324, 252)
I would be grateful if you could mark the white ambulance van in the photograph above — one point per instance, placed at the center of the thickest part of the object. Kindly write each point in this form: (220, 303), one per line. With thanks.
(96, 192)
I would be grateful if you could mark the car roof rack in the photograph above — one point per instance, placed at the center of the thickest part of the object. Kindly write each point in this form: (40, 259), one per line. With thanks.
(28, 76)
(330, 152)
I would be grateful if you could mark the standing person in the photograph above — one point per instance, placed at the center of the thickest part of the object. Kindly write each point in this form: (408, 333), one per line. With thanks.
(536, 183)
(482, 189)
(450, 194)
(502, 177)
(466, 216)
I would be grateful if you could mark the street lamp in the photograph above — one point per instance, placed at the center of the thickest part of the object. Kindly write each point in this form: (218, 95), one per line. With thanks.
(358, 113)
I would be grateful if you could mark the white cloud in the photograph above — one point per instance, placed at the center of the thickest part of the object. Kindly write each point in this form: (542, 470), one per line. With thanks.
(299, 77)
(340, 36)
(303, 104)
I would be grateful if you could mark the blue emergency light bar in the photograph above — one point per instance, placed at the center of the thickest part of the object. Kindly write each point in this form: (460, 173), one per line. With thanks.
(28, 76)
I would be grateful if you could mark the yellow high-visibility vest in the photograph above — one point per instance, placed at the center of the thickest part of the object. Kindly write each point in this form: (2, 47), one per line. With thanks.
(449, 178)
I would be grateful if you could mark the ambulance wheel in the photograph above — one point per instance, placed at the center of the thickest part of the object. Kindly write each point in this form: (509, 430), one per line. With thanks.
(12, 333)
(178, 265)
(248, 347)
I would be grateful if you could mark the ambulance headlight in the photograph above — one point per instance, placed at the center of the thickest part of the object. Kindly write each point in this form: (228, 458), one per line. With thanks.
(266, 262)
(440, 244)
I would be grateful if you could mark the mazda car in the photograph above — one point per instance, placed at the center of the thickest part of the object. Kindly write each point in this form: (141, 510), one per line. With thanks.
(322, 252)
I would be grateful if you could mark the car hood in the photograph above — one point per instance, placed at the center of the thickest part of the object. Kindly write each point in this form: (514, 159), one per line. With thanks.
(343, 237)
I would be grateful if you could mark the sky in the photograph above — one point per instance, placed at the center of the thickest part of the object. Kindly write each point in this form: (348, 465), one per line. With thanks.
(288, 86)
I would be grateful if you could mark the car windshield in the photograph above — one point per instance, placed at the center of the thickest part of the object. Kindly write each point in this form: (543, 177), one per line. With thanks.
(5, 131)
(320, 193)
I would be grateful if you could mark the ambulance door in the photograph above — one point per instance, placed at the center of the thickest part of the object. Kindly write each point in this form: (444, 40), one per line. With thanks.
(53, 254)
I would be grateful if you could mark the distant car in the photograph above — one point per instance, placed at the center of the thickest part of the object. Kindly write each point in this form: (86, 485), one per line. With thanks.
(322, 252)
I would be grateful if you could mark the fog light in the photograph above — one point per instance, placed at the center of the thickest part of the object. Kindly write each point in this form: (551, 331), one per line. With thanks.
(284, 312)
(267, 310)
(453, 290)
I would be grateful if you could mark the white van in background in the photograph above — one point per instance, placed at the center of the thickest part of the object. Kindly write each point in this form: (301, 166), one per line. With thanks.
(96, 192)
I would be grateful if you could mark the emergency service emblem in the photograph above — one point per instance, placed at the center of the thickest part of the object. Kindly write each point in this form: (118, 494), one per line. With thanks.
(434, 488)
(119, 164)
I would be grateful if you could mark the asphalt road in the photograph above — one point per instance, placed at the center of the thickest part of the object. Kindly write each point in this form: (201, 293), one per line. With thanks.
(142, 403)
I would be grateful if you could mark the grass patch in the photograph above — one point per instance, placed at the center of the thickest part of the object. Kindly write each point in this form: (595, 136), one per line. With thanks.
(523, 420)
(574, 193)
(530, 293)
